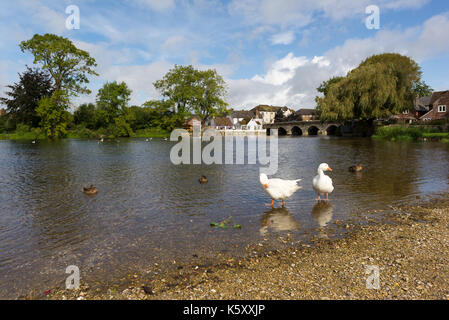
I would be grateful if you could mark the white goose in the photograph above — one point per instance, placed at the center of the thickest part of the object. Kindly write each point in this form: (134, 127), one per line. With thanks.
(278, 189)
(321, 182)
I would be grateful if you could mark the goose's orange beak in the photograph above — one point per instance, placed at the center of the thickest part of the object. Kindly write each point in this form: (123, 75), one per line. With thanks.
(266, 185)
(329, 169)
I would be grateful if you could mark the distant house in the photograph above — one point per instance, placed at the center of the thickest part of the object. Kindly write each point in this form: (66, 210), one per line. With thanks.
(190, 122)
(438, 106)
(222, 123)
(421, 107)
(255, 124)
(306, 114)
(266, 113)
(239, 117)
(2, 112)
(283, 114)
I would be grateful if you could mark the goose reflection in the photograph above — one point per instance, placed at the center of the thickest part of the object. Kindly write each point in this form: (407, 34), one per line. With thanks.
(278, 219)
(322, 214)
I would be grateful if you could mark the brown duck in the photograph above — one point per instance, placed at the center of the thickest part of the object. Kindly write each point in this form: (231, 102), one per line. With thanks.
(355, 168)
(90, 190)
(203, 180)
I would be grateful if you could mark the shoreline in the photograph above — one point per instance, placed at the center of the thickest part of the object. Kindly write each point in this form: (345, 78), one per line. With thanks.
(410, 248)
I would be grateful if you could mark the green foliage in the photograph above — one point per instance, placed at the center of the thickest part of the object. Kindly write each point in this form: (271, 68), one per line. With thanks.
(403, 133)
(380, 87)
(421, 89)
(189, 90)
(24, 96)
(52, 112)
(67, 65)
(6, 123)
(325, 85)
(162, 115)
(85, 114)
(121, 128)
(113, 99)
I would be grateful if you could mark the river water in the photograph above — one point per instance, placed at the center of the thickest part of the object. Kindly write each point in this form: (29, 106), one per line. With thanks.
(149, 211)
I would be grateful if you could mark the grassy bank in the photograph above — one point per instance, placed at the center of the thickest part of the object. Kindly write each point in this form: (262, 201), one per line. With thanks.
(82, 133)
(410, 133)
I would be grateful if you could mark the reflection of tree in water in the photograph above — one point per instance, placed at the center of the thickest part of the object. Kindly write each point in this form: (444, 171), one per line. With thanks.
(278, 219)
(322, 214)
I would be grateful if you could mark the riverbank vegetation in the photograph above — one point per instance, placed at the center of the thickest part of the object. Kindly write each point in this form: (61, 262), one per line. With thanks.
(410, 133)
(39, 105)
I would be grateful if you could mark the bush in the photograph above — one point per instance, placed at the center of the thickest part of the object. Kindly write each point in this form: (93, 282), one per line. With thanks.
(403, 133)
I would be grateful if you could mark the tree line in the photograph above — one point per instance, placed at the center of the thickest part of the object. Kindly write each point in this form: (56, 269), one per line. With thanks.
(40, 101)
(381, 86)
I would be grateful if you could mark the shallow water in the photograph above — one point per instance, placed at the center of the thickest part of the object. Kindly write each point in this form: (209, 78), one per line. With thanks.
(149, 210)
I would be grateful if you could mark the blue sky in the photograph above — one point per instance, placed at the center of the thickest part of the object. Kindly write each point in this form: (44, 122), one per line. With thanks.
(269, 51)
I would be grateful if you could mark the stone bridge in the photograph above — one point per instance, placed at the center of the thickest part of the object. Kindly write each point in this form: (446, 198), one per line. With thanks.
(304, 128)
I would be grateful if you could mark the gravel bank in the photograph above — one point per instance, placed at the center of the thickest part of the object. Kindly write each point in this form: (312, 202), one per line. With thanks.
(411, 250)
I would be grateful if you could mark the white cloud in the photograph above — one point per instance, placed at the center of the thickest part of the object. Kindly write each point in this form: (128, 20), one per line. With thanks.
(283, 38)
(282, 70)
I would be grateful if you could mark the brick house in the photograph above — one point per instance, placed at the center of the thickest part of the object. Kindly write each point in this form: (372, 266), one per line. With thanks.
(421, 107)
(438, 106)
(190, 122)
(306, 114)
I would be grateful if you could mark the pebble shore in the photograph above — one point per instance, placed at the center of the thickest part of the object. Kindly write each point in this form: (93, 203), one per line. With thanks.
(410, 249)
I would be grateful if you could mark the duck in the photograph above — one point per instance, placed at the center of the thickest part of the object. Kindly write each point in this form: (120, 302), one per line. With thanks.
(33, 142)
(278, 189)
(203, 180)
(356, 168)
(90, 190)
(322, 183)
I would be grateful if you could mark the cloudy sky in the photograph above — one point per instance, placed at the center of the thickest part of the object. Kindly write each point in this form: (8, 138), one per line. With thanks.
(269, 51)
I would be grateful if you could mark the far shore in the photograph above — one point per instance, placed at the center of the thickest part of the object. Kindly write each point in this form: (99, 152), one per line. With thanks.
(410, 248)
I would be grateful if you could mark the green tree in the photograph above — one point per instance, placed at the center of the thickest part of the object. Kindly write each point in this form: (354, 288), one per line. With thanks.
(69, 68)
(189, 90)
(381, 86)
(210, 101)
(85, 115)
(113, 100)
(421, 89)
(24, 96)
(325, 85)
(67, 65)
(161, 115)
(179, 85)
(52, 111)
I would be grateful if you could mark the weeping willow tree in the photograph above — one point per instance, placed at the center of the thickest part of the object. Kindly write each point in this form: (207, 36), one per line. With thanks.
(381, 86)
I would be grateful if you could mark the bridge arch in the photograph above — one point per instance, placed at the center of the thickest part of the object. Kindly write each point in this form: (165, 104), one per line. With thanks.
(312, 131)
(282, 131)
(332, 130)
(296, 131)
